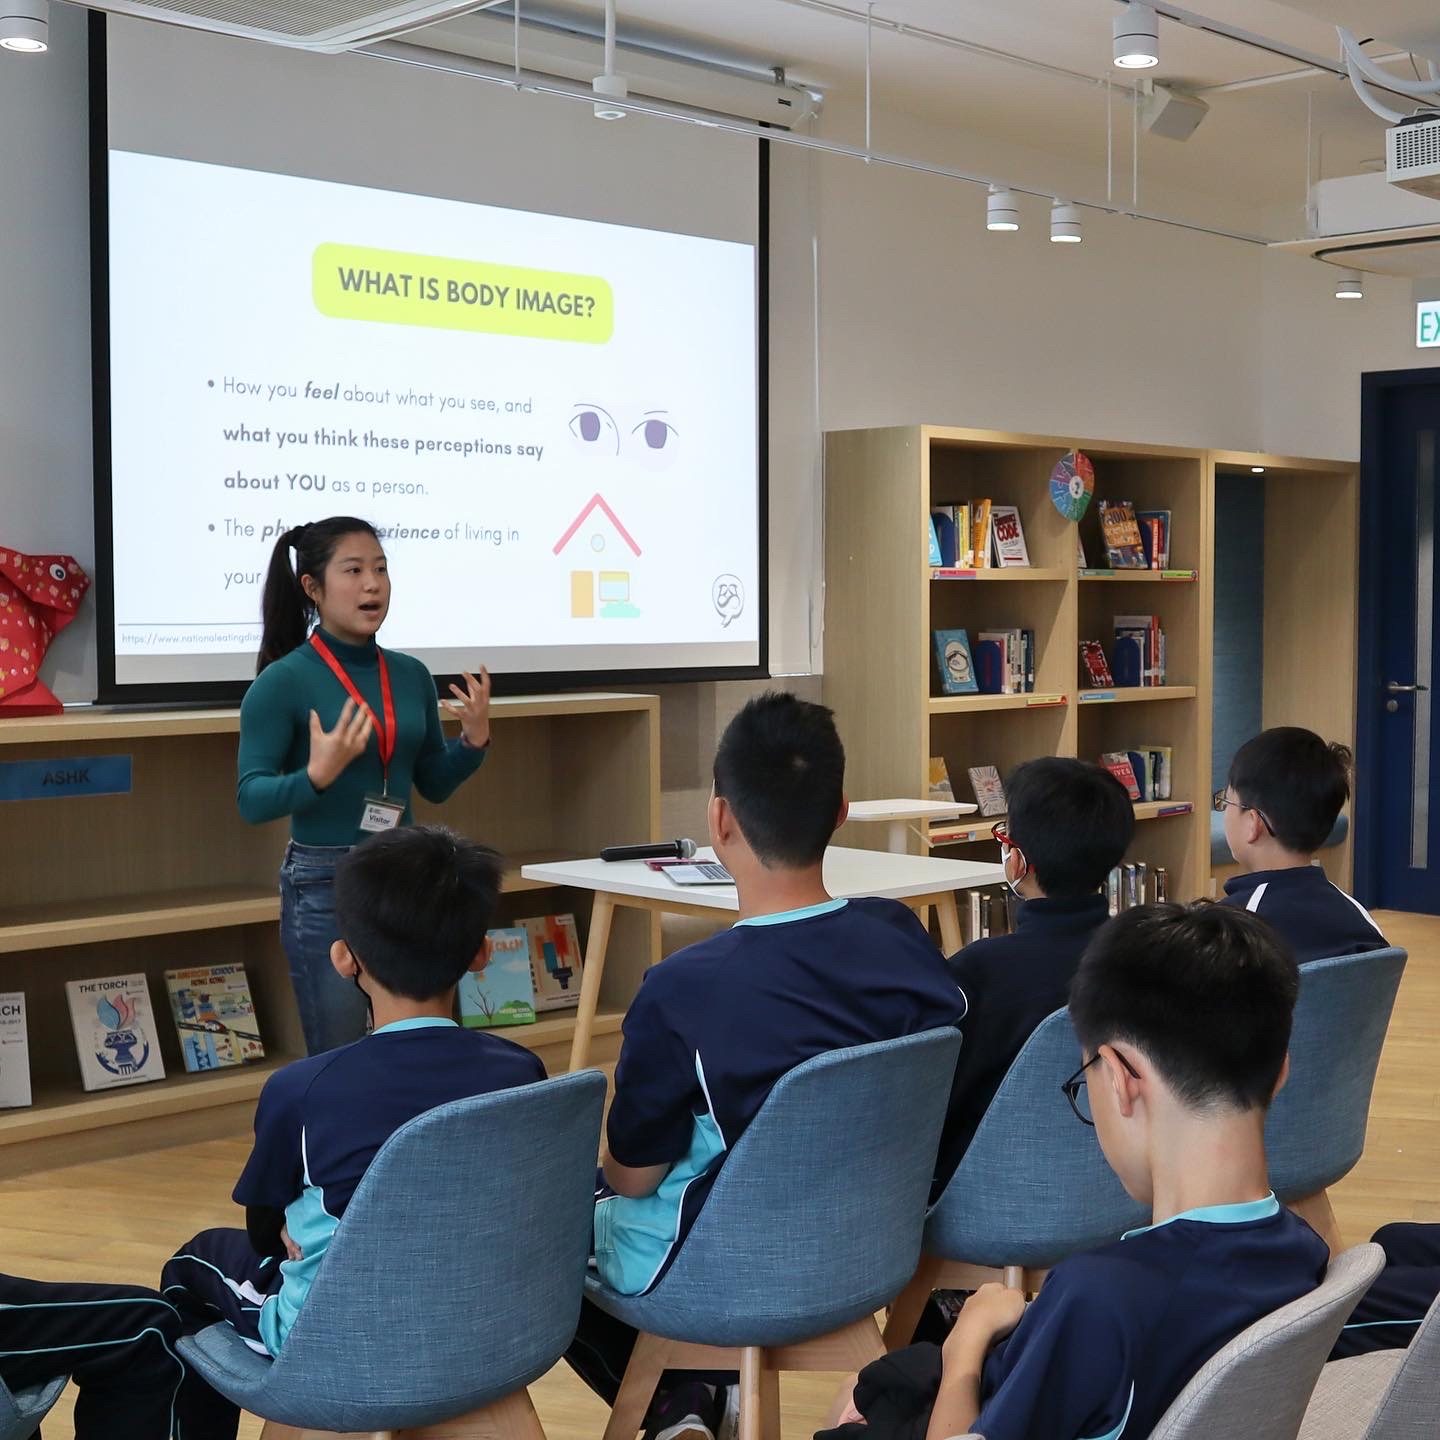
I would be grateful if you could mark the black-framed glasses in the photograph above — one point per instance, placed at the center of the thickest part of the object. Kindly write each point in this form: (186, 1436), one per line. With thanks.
(1077, 1092)
(1219, 800)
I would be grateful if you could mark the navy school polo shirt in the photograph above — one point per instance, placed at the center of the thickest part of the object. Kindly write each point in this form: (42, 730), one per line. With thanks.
(1316, 918)
(1012, 982)
(321, 1121)
(1116, 1334)
(713, 1028)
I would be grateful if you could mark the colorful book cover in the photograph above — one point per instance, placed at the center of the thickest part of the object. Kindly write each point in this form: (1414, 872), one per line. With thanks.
(1121, 533)
(942, 529)
(1117, 762)
(980, 535)
(956, 663)
(940, 786)
(935, 556)
(115, 1036)
(1011, 678)
(1080, 559)
(215, 1016)
(989, 792)
(14, 1052)
(555, 961)
(502, 992)
(1009, 537)
(964, 540)
(1155, 537)
(1094, 668)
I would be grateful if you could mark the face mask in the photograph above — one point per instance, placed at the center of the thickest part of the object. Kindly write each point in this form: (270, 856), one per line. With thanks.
(369, 1007)
(1006, 851)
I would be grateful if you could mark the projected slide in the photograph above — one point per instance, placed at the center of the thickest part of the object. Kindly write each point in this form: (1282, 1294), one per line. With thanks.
(551, 421)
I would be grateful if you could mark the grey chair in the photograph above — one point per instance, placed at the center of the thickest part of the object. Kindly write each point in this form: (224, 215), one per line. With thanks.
(453, 1279)
(813, 1224)
(21, 1411)
(1315, 1132)
(1258, 1385)
(1385, 1395)
(1032, 1188)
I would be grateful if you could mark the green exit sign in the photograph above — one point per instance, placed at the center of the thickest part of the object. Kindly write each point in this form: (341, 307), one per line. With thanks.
(1427, 323)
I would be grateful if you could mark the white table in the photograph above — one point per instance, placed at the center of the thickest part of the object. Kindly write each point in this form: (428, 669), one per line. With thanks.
(898, 812)
(918, 880)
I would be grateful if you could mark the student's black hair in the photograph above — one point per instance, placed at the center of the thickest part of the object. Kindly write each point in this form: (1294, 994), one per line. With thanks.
(286, 611)
(1206, 991)
(1072, 820)
(414, 903)
(781, 767)
(1296, 780)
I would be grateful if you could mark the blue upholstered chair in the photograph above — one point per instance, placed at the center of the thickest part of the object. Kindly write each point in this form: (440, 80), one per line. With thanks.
(1032, 1188)
(1315, 1133)
(453, 1280)
(21, 1411)
(813, 1224)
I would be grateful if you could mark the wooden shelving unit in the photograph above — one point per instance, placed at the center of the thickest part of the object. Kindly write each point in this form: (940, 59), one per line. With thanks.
(883, 601)
(169, 875)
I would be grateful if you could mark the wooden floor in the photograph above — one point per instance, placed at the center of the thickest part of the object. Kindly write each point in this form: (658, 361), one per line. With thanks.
(120, 1220)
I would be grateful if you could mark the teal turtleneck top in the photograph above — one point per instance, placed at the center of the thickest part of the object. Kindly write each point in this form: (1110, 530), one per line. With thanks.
(275, 742)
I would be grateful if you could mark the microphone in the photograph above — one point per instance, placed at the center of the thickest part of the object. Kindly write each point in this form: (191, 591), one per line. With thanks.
(661, 850)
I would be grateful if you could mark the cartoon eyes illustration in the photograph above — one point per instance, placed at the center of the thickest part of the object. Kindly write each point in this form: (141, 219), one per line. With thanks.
(655, 437)
(595, 430)
(57, 572)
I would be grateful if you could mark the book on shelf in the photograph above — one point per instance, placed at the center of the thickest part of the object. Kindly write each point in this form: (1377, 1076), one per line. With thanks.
(502, 991)
(214, 1016)
(1080, 559)
(1152, 765)
(1008, 537)
(1117, 762)
(14, 1052)
(989, 791)
(114, 1028)
(940, 786)
(1120, 532)
(1134, 884)
(1094, 668)
(964, 540)
(555, 961)
(942, 532)
(1155, 537)
(980, 535)
(1139, 656)
(937, 556)
(1008, 663)
(955, 663)
(990, 913)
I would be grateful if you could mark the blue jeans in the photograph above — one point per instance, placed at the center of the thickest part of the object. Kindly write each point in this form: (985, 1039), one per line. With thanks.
(332, 1011)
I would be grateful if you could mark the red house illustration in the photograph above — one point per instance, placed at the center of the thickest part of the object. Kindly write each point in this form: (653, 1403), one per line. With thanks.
(605, 592)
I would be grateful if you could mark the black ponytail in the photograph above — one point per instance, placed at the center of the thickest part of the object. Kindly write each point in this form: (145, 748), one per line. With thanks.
(286, 611)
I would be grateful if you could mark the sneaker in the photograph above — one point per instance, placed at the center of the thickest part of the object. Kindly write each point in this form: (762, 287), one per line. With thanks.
(729, 1426)
(687, 1412)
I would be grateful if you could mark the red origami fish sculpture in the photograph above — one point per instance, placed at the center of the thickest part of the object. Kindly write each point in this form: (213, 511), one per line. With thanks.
(39, 595)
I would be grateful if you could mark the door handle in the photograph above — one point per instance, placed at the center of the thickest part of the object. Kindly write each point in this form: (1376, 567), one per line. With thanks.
(1395, 689)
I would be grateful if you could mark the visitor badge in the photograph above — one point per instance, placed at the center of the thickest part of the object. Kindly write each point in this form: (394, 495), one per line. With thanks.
(381, 813)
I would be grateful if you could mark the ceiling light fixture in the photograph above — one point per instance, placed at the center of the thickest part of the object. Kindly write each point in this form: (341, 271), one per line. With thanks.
(1257, 469)
(609, 88)
(1350, 287)
(1137, 37)
(25, 26)
(1065, 228)
(1001, 212)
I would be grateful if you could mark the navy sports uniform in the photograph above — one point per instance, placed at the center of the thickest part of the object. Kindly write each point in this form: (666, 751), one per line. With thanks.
(1012, 982)
(1316, 918)
(319, 1124)
(709, 1033)
(1393, 1307)
(1116, 1334)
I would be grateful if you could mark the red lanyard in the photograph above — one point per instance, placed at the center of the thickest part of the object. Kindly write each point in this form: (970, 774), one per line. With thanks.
(384, 730)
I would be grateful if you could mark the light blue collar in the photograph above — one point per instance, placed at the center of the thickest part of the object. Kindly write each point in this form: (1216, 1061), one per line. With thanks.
(419, 1022)
(1243, 1213)
(785, 917)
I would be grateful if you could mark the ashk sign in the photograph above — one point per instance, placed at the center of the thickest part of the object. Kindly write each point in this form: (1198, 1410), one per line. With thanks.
(1427, 324)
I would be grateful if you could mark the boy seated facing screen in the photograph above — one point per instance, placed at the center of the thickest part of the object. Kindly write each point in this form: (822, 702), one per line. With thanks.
(1183, 1017)
(1286, 789)
(1069, 825)
(412, 907)
(714, 1027)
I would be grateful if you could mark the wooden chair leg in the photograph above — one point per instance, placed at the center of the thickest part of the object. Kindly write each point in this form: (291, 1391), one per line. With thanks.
(512, 1418)
(642, 1375)
(910, 1305)
(752, 1397)
(769, 1399)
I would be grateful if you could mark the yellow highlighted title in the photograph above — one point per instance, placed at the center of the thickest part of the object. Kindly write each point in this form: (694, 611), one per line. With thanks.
(352, 282)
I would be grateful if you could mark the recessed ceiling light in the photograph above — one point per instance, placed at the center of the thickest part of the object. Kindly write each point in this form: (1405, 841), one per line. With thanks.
(1257, 469)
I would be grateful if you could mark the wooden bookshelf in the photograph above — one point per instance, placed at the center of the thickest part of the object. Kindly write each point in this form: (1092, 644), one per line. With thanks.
(973, 830)
(169, 876)
(1135, 694)
(1016, 572)
(885, 600)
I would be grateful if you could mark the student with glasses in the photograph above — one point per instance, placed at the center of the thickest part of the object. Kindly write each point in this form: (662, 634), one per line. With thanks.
(1286, 789)
(1183, 1017)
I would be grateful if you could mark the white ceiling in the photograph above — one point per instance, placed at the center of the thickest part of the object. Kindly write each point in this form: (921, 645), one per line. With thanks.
(1250, 149)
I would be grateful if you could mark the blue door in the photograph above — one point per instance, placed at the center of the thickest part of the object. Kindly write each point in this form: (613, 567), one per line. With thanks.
(1397, 850)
